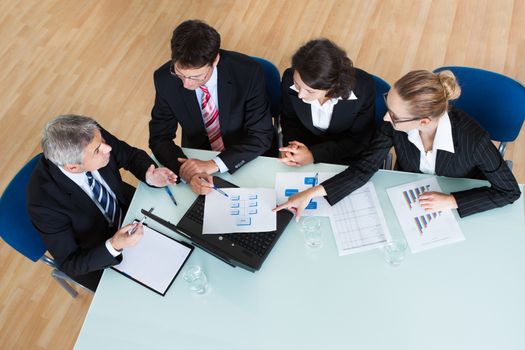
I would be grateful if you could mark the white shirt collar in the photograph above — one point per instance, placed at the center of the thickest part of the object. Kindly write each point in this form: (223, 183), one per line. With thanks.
(212, 82)
(78, 178)
(442, 140)
(81, 180)
(332, 101)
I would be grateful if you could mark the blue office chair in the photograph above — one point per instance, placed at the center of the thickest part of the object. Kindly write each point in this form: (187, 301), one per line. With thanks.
(496, 101)
(17, 230)
(273, 90)
(381, 88)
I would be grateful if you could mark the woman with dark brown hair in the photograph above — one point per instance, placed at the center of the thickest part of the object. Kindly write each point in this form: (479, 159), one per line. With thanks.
(430, 137)
(327, 112)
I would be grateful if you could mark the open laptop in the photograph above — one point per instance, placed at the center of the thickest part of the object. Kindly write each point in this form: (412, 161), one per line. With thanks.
(246, 250)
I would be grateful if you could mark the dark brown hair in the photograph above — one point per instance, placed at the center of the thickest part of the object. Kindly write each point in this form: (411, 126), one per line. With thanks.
(323, 65)
(194, 44)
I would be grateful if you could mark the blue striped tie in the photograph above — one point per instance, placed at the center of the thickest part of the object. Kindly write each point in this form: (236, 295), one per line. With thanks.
(108, 204)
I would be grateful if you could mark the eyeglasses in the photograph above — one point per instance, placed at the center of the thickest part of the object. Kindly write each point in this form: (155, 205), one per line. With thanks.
(199, 78)
(395, 120)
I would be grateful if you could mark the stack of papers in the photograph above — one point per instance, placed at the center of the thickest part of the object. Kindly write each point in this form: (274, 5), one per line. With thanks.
(357, 220)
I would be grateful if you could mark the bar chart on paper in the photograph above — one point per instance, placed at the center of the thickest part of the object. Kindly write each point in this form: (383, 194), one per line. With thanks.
(423, 230)
(423, 220)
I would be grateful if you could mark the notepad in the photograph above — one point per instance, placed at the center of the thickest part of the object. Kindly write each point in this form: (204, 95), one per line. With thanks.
(155, 261)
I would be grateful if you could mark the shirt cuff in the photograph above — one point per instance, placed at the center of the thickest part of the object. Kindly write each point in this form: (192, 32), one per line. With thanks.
(222, 167)
(112, 250)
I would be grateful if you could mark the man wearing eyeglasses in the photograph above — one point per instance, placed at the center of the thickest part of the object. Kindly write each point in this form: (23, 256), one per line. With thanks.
(217, 97)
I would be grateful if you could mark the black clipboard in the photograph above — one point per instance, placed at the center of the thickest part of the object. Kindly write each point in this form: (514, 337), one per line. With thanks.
(137, 270)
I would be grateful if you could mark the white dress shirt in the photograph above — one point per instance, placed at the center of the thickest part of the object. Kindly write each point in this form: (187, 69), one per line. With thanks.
(211, 84)
(322, 114)
(442, 141)
(82, 181)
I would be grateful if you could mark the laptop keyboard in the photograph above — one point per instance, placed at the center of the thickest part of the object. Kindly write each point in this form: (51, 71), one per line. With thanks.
(196, 213)
(257, 243)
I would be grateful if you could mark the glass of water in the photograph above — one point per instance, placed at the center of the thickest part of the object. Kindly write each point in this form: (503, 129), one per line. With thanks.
(311, 229)
(196, 279)
(395, 251)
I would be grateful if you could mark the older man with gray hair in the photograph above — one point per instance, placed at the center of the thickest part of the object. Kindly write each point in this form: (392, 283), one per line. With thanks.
(77, 199)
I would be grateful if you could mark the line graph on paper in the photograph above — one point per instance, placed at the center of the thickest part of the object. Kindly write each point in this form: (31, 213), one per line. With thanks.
(423, 230)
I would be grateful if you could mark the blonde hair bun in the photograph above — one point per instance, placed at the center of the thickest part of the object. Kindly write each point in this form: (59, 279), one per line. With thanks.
(450, 84)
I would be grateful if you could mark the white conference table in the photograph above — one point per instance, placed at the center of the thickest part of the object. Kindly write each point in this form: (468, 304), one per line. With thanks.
(468, 295)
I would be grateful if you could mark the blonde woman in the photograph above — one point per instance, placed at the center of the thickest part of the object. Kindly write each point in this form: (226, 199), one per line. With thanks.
(430, 137)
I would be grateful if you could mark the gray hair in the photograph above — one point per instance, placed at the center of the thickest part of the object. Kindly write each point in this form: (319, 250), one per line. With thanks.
(65, 137)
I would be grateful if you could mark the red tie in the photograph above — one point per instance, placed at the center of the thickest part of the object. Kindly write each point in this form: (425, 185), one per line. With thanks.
(210, 114)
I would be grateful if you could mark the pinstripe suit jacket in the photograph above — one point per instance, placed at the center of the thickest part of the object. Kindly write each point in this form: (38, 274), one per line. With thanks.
(475, 157)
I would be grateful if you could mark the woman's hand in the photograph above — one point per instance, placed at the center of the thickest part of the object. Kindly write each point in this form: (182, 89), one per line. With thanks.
(296, 154)
(299, 201)
(436, 201)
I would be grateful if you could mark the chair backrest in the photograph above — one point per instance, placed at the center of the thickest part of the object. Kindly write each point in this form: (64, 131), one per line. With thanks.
(16, 228)
(496, 101)
(273, 85)
(381, 88)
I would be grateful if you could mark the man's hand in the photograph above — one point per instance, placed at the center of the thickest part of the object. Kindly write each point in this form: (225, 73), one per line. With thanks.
(122, 239)
(192, 166)
(201, 183)
(296, 154)
(299, 201)
(436, 201)
(160, 177)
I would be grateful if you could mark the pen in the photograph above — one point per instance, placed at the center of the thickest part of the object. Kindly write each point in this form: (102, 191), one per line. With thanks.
(134, 229)
(216, 188)
(316, 179)
(168, 191)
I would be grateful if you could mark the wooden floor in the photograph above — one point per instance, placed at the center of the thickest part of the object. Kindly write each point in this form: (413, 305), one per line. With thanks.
(97, 58)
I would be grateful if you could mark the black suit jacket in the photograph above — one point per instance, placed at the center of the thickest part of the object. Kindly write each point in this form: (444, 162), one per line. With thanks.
(474, 157)
(71, 225)
(351, 126)
(244, 114)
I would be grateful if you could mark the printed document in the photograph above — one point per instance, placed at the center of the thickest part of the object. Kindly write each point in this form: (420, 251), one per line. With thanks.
(423, 230)
(290, 183)
(242, 210)
(358, 222)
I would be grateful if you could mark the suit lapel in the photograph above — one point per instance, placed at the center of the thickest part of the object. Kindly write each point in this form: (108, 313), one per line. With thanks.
(78, 197)
(192, 104)
(343, 115)
(225, 92)
(113, 182)
(444, 159)
(304, 112)
(410, 153)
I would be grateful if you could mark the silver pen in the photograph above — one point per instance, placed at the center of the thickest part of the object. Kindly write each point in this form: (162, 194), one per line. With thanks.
(134, 229)
(215, 188)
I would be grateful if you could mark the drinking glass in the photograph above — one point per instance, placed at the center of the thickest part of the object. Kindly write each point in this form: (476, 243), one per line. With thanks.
(395, 251)
(311, 229)
(196, 279)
